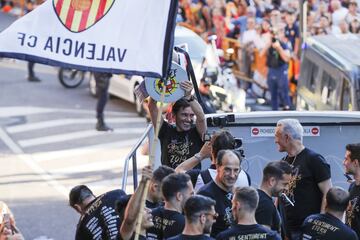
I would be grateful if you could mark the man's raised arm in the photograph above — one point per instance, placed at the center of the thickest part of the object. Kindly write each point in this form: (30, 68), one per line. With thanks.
(196, 107)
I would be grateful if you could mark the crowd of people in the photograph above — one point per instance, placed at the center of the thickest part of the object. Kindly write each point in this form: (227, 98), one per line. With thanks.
(268, 33)
(295, 200)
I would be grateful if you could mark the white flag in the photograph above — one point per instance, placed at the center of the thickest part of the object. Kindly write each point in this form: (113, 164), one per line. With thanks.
(133, 37)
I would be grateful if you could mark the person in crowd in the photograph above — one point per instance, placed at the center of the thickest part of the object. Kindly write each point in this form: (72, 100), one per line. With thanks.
(31, 73)
(310, 177)
(292, 33)
(101, 208)
(221, 189)
(329, 226)
(278, 55)
(276, 177)
(204, 90)
(338, 15)
(352, 167)
(199, 217)
(324, 24)
(29, 6)
(182, 140)
(353, 12)
(219, 141)
(128, 225)
(244, 204)
(102, 87)
(168, 219)
(355, 26)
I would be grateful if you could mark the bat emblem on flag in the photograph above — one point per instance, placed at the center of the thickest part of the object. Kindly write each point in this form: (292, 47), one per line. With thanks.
(79, 15)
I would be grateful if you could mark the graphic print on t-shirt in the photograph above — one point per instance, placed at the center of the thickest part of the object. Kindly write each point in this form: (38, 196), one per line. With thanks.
(178, 150)
(352, 210)
(228, 217)
(295, 177)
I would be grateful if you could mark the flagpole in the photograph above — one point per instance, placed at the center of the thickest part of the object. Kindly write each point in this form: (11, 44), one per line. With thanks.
(151, 162)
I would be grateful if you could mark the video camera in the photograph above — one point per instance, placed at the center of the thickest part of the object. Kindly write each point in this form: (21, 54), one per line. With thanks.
(273, 32)
(238, 144)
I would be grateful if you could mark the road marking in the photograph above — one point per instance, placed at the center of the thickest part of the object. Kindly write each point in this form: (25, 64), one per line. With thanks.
(89, 167)
(61, 154)
(76, 135)
(72, 121)
(19, 111)
(32, 164)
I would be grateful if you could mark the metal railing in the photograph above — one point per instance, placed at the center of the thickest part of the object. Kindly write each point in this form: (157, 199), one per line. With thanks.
(132, 156)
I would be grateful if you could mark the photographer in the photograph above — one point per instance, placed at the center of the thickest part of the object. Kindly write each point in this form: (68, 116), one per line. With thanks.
(278, 56)
(219, 141)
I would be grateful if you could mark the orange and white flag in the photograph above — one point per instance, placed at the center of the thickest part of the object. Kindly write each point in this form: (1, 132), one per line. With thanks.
(124, 36)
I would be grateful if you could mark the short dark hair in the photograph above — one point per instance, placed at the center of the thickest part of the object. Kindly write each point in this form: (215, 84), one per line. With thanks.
(78, 194)
(197, 204)
(223, 140)
(276, 169)
(161, 172)
(179, 104)
(354, 149)
(174, 183)
(337, 199)
(248, 197)
(221, 154)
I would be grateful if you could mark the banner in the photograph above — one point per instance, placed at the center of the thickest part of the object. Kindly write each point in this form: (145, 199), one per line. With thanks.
(132, 37)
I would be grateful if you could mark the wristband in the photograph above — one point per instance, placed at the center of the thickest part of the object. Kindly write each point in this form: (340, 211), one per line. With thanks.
(197, 156)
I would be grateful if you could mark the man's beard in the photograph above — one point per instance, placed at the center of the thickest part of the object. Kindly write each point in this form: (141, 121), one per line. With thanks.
(207, 229)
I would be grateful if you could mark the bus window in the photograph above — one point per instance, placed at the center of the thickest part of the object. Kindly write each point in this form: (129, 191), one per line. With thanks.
(313, 77)
(328, 89)
(345, 100)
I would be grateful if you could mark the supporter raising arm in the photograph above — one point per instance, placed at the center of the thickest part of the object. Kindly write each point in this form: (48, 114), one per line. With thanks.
(182, 140)
(133, 209)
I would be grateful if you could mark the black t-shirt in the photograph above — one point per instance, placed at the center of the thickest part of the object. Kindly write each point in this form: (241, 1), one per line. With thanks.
(253, 232)
(176, 146)
(266, 212)
(100, 220)
(353, 212)
(326, 227)
(309, 169)
(167, 223)
(222, 207)
(190, 237)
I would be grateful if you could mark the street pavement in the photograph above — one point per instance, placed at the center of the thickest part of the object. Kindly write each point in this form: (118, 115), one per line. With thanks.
(48, 144)
(6, 20)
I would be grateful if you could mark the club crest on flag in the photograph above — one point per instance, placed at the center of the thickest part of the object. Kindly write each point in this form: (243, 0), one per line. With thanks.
(79, 15)
(173, 91)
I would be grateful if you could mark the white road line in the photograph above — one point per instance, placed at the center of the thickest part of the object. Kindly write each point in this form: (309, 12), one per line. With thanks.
(19, 111)
(56, 155)
(76, 135)
(68, 121)
(89, 167)
(32, 164)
